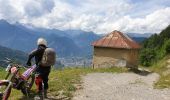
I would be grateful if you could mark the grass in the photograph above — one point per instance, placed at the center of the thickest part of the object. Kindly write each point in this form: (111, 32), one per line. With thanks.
(164, 82)
(164, 72)
(62, 83)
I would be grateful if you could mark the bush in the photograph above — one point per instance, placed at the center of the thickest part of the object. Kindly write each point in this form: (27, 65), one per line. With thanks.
(167, 46)
(147, 57)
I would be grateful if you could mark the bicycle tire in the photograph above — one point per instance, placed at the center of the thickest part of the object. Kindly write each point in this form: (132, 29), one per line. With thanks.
(7, 91)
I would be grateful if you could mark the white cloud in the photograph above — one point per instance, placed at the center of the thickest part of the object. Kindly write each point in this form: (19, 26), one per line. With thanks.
(153, 22)
(18, 10)
(100, 16)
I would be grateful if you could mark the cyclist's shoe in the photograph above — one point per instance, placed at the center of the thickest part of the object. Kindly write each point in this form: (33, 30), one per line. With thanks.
(37, 97)
(45, 94)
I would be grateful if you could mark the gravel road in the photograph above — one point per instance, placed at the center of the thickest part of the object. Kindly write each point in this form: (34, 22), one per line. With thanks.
(123, 86)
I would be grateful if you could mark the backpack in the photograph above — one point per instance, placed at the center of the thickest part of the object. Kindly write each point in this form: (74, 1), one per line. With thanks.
(48, 58)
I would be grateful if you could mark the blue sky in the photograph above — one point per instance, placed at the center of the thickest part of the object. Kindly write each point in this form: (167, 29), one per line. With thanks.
(99, 16)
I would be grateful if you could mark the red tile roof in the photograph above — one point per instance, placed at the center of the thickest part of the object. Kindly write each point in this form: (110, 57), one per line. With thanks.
(116, 39)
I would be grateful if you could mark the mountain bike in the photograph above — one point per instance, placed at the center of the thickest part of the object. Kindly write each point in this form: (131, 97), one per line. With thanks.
(14, 79)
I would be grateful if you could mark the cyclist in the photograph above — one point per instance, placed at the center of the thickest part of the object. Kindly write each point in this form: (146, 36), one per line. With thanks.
(42, 72)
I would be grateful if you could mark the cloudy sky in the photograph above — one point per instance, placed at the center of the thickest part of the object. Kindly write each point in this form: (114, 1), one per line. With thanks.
(99, 16)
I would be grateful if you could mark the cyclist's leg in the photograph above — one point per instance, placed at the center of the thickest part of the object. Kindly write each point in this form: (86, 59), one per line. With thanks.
(38, 82)
(45, 81)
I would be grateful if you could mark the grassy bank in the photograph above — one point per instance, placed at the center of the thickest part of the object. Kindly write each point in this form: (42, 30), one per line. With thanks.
(63, 83)
(163, 69)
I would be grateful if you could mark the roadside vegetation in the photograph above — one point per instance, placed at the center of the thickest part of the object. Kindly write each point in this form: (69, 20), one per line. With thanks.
(162, 67)
(155, 55)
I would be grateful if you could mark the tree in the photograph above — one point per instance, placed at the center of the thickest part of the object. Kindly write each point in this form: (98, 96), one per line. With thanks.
(155, 47)
(147, 57)
(167, 46)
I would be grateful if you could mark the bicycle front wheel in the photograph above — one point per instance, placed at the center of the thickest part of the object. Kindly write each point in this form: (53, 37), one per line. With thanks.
(5, 89)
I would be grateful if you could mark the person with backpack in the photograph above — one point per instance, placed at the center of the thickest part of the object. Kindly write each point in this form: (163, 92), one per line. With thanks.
(44, 59)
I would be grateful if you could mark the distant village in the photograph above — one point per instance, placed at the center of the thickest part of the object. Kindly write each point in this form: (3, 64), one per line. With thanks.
(75, 61)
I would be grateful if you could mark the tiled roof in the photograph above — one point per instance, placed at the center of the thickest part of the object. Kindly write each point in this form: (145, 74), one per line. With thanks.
(116, 39)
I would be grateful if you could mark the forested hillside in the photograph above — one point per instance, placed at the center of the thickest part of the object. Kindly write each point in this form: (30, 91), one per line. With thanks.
(16, 55)
(155, 48)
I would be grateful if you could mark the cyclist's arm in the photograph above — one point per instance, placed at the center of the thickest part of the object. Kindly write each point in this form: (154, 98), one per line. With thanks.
(31, 55)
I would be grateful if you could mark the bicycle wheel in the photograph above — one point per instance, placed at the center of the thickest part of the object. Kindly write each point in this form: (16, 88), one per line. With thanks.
(28, 85)
(5, 89)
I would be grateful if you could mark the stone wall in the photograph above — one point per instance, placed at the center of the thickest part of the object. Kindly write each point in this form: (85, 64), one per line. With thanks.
(109, 57)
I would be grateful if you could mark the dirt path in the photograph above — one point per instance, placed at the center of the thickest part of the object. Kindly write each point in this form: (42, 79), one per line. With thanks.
(123, 86)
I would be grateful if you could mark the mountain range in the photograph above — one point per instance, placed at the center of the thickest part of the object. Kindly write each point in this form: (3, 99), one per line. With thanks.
(68, 43)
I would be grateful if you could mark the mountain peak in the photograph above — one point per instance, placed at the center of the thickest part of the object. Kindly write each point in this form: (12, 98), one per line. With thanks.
(3, 22)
